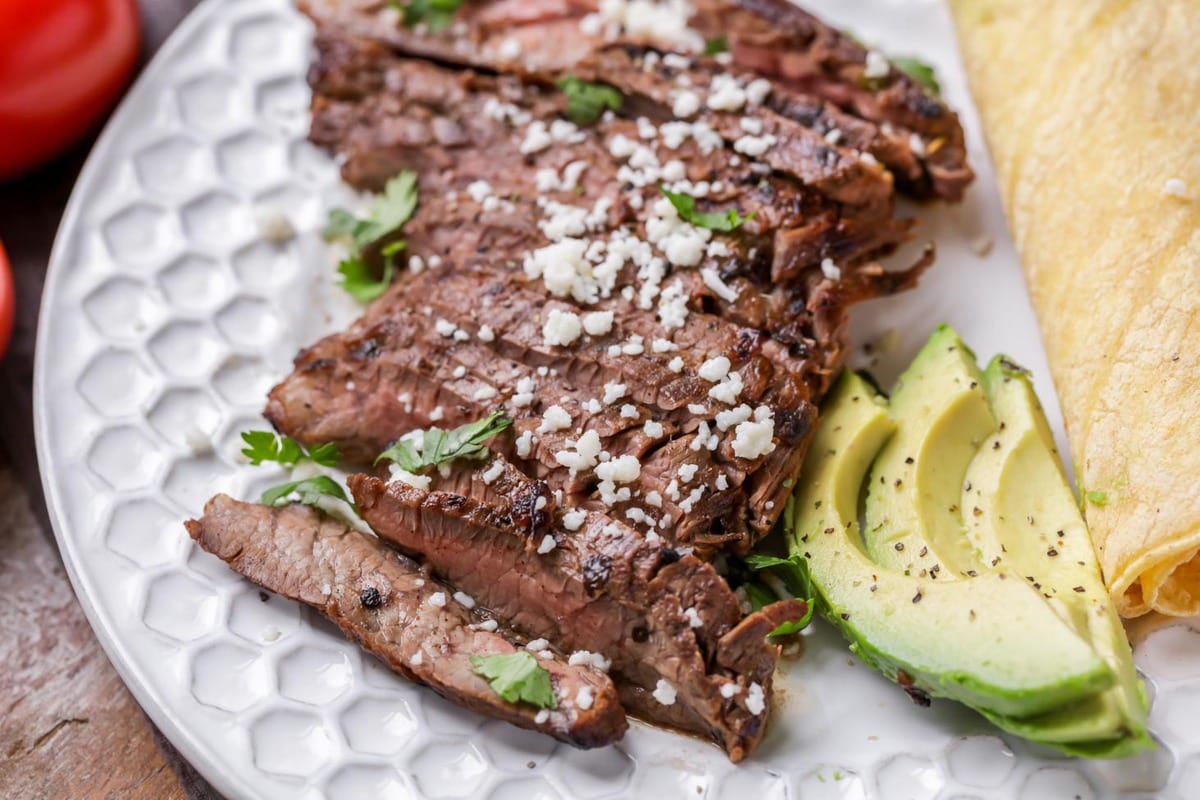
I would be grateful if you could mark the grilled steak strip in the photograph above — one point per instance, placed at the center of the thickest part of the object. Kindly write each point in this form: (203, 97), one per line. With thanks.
(383, 601)
(772, 38)
(670, 625)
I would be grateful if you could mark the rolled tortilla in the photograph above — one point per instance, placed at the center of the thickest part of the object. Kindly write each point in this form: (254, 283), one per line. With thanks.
(1092, 112)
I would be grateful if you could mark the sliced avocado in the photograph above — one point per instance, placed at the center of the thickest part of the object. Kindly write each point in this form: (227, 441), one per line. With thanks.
(1022, 516)
(969, 640)
(913, 495)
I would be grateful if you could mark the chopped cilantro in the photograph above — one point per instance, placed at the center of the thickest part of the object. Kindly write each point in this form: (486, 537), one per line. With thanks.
(587, 101)
(436, 14)
(437, 446)
(715, 45)
(269, 446)
(794, 574)
(517, 677)
(387, 215)
(920, 72)
(308, 491)
(685, 204)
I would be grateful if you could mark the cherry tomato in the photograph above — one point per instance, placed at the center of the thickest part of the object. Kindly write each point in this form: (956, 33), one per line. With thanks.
(63, 63)
(6, 301)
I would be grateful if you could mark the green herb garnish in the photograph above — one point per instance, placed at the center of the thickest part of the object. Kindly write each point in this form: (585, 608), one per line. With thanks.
(715, 45)
(436, 14)
(920, 72)
(685, 204)
(1097, 497)
(587, 101)
(794, 574)
(270, 446)
(387, 215)
(517, 677)
(438, 446)
(308, 491)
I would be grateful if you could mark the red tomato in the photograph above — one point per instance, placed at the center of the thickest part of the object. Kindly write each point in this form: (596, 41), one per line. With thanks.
(63, 64)
(6, 301)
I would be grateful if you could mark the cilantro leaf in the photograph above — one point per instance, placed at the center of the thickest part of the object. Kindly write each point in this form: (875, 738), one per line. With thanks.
(796, 579)
(920, 72)
(387, 215)
(437, 446)
(517, 677)
(715, 45)
(308, 491)
(587, 101)
(269, 446)
(359, 282)
(685, 204)
(436, 14)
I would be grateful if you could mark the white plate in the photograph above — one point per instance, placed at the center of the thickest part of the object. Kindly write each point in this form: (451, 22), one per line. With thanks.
(165, 320)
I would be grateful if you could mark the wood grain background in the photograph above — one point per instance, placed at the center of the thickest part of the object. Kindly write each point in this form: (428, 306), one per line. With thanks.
(70, 728)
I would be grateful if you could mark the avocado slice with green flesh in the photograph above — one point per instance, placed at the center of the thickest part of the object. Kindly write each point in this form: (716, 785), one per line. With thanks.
(942, 416)
(968, 640)
(1022, 516)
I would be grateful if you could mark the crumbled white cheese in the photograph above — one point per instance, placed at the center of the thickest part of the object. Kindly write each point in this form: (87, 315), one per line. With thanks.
(831, 270)
(653, 429)
(757, 91)
(592, 406)
(510, 50)
(629, 411)
(458, 372)
(489, 625)
(541, 717)
(484, 393)
(486, 334)
(598, 323)
(672, 306)
(555, 418)
(687, 472)
(664, 21)
(725, 94)
(465, 599)
(614, 392)
(675, 364)
(664, 692)
(697, 408)
(755, 699)
(537, 138)
(728, 390)
(586, 658)
(663, 346)
(722, 482)
(754, 438)
(537, 645)
(877, 65)
(693, 617)
(271, 633)
(479, 190)
(445, 327)
(584, 456)
(404, 476)
(561, 328)
(573, 520)
(418, 658)
(1176, 188)
(728, 690)
(438, 599)
(833, 137)
(547, 544)
(524, 444)
(492, 472)
(622, 469)
(754, 146)
(714, 369)
(524, 396)
(541, 503)
(686, 104)
(727, 419)
(584, 698)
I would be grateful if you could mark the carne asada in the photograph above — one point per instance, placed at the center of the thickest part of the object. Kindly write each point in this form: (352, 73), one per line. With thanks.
(642, 254)
(386, 603)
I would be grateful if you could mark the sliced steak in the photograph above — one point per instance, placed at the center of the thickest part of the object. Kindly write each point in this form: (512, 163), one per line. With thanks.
(387, 604)
(681, 653)
(915, 134)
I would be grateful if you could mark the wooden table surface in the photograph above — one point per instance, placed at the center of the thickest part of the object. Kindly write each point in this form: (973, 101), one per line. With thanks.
(70, 728)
